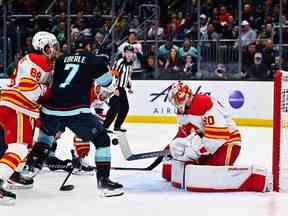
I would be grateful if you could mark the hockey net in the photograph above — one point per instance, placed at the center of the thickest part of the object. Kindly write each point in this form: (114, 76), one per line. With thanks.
(280, 133)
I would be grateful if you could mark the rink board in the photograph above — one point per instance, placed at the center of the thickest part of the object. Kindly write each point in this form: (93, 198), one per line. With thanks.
(249, 102)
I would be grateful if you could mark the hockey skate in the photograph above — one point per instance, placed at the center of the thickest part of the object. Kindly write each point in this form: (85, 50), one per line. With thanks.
(18, 181)
(81, 167)
(54, 164)
(6, 197)
(29, 171)
(116, 129)
(109, 188)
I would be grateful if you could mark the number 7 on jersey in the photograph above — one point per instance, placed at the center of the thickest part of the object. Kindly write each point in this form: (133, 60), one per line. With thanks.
(73, 69)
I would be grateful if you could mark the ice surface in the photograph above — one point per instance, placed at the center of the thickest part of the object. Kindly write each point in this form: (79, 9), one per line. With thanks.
(146, 194)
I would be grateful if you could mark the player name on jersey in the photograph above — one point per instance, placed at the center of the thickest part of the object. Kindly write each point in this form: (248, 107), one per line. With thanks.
(75, 59)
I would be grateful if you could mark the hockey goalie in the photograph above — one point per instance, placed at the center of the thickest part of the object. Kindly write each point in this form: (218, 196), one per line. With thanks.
(206, 147)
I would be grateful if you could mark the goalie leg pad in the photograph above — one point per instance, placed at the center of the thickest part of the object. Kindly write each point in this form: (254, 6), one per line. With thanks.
(177, 173)
(225, 178)
(166, 170)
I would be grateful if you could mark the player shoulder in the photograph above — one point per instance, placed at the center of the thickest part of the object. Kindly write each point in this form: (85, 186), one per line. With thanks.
(41, 60)
(200, 104)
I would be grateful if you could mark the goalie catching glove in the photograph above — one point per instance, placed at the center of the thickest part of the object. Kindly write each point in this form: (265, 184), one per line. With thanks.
(189, 148)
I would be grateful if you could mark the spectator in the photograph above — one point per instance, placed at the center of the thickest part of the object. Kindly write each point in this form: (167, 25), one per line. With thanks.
(156, 30)
(187, 25)
(64, 49)
(27, 47)
(60, 32)
(248, 13)
(227, 32)
(150, 67)
(247, 35)
(268, 8)
(224, 15)
(174, 33)
(60, 7)
(211, 34)
(220, 72)
(186, 49)
(10, 70)
(164, 51)
(97, 21)
(138, 53)
(267, 33)
(173, 63)
(214, 16)
(203, 24)
(258, 70)
(100, 46)
(180, 18)
(248, 57)
(269, 56)
(75, 34)
(190, 67)
(175, 21)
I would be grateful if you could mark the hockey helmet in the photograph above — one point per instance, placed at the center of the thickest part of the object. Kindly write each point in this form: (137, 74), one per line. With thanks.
(129, 48)
(179, 95)
(42, 40)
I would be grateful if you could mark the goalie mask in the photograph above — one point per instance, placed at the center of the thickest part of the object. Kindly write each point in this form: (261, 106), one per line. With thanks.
(179, 95)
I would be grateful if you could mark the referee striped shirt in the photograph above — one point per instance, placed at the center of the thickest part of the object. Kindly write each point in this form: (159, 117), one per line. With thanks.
(122, 70)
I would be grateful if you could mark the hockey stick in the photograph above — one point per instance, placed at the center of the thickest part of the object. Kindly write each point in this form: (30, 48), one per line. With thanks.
(70, 187)
(149, 168)
(127, 152)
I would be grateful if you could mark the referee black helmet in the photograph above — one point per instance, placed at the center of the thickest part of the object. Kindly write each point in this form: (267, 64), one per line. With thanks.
(129, 48)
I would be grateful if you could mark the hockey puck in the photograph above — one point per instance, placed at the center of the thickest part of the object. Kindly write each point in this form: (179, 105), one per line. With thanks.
(66, 188)
(115, 141)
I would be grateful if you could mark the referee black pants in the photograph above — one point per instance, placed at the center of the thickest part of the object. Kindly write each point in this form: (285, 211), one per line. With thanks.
(119, 106)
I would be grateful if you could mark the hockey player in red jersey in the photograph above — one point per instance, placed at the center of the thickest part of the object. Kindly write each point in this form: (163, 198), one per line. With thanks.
(212, 134)
(207, 135)
(19, 104)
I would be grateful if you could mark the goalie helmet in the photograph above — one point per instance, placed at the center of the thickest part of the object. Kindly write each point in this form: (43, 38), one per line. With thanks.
(42, 40)
(179, 95)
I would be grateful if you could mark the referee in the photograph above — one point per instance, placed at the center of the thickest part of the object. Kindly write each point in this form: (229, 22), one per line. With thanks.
(119, 105)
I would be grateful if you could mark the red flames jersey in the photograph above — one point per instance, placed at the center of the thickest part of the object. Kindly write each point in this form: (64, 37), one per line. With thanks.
(28, 83)
(208, 117)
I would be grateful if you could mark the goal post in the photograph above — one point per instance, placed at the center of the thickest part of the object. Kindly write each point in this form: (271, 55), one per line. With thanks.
(280, 132)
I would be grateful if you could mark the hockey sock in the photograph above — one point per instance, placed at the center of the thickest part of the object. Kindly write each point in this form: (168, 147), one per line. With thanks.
(103, 162)
(11, 159)
(38, 155)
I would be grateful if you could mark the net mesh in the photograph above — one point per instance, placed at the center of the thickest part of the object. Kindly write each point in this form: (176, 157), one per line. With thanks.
(283, 162)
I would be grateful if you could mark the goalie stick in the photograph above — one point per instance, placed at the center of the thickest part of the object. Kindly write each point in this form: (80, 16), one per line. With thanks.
(154, 164)
(127, 152)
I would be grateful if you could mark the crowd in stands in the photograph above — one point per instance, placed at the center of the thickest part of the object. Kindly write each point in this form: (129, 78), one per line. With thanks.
(176, 46)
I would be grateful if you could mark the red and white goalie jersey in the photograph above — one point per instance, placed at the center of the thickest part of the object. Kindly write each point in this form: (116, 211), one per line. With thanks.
(207, 127)
(28, 83)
